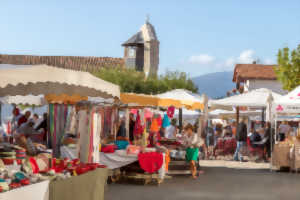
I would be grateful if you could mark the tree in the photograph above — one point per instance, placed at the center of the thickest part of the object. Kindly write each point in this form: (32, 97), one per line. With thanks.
(288, 69)
(130, 80)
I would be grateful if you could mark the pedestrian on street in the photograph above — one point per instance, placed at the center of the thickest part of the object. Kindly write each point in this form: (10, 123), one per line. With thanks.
(241, 138)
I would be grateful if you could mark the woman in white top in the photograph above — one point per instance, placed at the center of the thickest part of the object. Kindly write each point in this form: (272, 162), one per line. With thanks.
(171, 131)
(192, 144)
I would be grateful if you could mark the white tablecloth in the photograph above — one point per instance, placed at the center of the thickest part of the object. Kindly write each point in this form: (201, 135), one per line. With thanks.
(114, 160)
(37, 191)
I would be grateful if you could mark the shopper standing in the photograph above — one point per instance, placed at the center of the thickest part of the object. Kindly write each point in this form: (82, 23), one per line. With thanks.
(241, 138)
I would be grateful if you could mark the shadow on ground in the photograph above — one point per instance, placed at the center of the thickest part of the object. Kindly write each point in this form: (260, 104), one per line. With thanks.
(217, 183)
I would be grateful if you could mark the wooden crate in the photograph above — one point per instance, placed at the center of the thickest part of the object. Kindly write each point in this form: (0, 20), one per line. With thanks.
(281, 156)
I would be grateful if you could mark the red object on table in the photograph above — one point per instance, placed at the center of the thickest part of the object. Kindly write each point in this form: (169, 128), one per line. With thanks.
(25, 181)
(108, 149)
(151, 161)
(14, 185)
(34, 165)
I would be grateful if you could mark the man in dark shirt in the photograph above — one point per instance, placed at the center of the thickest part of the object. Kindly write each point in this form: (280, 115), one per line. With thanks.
(241, 138)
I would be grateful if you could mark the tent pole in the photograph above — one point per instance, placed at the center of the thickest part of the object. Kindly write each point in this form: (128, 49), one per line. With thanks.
(237, 114)
(180, 120)
(0, 113)
(127, 121)
(263, 117)
(203, 119)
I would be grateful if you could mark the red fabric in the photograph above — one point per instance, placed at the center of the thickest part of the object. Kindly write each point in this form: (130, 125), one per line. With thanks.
(171, 111)
(150, 162)
(138, 129)
(108, 149)
(22, 120)
(159, 120)
(34, 165)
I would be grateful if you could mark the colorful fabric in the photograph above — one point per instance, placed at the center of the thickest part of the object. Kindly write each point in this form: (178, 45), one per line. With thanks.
(121, 144)
(58, 115)
(154, 126)
(192, 154)
(171, 111)
(138, 129)
(159, 121)
(166, 121)
(150, 162)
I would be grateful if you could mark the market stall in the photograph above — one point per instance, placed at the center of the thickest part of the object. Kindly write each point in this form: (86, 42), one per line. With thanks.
(247, 102)
(286, 150)
(68, 86)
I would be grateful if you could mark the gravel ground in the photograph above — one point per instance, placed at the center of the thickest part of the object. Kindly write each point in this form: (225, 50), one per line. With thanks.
(217, 183)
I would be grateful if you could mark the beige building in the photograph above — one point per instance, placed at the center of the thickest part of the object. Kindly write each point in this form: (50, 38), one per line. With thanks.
(142, 51)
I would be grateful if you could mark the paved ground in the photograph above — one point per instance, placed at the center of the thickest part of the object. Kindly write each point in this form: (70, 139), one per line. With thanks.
(217, 183)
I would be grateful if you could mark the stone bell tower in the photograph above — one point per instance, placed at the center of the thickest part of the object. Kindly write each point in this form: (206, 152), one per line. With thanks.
(142, 51)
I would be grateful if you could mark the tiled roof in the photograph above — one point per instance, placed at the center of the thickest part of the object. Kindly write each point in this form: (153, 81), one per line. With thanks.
(253, 71)
(69, 62)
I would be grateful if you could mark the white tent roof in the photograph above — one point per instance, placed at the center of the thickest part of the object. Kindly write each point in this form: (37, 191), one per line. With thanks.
(289, 103)
(43, 79)
(182, 95)
(255, 98)
(24, 100)
(224, 113)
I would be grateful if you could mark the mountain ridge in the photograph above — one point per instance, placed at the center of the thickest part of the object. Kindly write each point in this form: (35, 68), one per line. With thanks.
(214, 85)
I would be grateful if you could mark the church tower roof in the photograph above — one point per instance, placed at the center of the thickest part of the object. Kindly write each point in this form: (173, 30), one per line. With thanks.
(145, 34)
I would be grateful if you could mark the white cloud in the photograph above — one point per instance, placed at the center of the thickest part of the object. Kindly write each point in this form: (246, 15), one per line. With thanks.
(202, 59)
(268, 61)
(229, 62)
(246, 57)
(205, 63)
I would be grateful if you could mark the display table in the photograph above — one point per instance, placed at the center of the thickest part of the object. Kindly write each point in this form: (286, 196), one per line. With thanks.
(37, 191)
(87, 186)
(114, 160)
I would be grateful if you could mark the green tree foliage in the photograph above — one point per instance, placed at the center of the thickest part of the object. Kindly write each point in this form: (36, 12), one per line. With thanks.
(130, 80)
(288, 69)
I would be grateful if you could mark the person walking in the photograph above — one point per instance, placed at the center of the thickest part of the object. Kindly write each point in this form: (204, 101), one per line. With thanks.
(241, 138)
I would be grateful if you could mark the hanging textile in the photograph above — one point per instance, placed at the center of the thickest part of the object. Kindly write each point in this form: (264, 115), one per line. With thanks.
(159, 120)
(171, 111)
(58, 115)
(107, 121)
(154, 126)
(138, 129)
(89, 130)
(83, 129)
(166, 121)
(96, 138)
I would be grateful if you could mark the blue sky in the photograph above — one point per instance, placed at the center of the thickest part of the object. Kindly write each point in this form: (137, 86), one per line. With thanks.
(196, 36)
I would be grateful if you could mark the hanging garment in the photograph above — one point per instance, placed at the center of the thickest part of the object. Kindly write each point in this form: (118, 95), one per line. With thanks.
(83, 128)
(171, 111)
(159, 120)
(154, 126)
(166, 121)
(138, 129)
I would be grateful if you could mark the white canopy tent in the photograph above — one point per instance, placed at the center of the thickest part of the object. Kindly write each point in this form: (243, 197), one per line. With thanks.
(189, 99)
(185, 96)
(256, 98)
(34, 80)
(225, 113)
(289, 103)
(43, 79)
